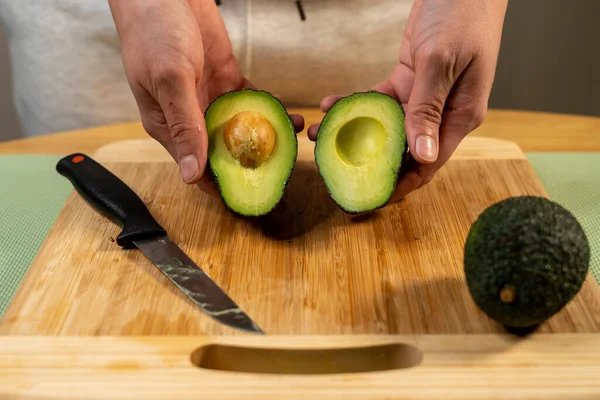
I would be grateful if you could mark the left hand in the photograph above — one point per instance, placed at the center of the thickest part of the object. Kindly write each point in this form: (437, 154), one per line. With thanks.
(443, 79)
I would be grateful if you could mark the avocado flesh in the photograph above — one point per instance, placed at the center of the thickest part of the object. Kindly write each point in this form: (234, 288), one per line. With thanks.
(250, 191)
(359, 150)
(525, 259)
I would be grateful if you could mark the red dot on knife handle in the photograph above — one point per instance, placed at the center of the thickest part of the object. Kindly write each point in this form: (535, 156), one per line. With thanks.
(77, 159)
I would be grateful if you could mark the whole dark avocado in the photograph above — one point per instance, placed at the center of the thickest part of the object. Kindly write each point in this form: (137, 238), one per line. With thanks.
(525, 258)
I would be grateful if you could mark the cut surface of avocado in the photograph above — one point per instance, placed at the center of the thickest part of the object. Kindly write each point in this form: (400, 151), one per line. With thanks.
(252, 150)
(359, 150)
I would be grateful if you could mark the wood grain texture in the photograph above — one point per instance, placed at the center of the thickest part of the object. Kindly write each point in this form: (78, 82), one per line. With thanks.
(532, 131)
(307, 270)
(545, 367)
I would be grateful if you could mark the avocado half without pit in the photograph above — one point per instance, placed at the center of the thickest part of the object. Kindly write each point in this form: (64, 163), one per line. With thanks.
(359, 150)
(525, 259)
(252, 150)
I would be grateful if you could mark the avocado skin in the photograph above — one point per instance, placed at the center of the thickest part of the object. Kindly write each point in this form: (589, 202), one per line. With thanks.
(532, 244)
(397, 171)
(284, 183)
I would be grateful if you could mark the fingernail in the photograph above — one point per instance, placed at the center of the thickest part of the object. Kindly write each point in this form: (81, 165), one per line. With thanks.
(188, 166)
(425, 148)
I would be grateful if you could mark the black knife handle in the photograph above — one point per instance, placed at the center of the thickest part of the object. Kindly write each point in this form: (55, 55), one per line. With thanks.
(111, 197)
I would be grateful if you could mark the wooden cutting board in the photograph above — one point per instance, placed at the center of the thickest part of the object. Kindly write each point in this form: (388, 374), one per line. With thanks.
(308, 270)
(332, 367)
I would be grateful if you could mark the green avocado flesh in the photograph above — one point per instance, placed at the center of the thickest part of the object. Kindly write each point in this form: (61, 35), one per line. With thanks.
(525, 259)
(250, 191)
(359, 150)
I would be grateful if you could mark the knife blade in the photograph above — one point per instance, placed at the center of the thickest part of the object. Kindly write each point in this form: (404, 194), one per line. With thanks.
(111, 197)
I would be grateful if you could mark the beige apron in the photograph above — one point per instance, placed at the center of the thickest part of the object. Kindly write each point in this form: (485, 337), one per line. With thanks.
(67, 69)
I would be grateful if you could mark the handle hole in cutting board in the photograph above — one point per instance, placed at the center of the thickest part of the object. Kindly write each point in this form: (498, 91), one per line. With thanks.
(306, 361)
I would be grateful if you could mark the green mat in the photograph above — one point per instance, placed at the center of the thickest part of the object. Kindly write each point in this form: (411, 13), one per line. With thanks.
(32, 194)
(573, 180)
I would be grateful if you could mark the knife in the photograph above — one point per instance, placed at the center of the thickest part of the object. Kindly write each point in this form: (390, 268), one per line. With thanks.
(111, 197)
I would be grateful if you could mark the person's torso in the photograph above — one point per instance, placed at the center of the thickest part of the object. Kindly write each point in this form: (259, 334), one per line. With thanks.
(340, 46)
(68, 73)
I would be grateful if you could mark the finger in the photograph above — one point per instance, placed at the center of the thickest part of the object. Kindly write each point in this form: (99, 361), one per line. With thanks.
(312, 131)
(465, 111)
(433, 82)
(325, 105)
(176, 94)
(329, 101)
(246, 84)
(382, 87)
(399, 84)
(417, 175)
(386, 87)
(208, 186)
(154, 123)
(298, 121)
(457, 123)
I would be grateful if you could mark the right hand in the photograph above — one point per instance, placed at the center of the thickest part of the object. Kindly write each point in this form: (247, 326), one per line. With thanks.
(178, 58)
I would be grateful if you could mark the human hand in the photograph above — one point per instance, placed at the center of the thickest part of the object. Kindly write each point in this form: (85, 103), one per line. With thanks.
(178, 58)
(443, 79)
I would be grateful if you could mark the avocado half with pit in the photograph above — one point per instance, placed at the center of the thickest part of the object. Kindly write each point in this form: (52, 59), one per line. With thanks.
(252, 150)
(359, 150)
(525, 259)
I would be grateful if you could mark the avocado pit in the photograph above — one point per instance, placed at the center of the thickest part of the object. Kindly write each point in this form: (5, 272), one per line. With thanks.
(250, 138)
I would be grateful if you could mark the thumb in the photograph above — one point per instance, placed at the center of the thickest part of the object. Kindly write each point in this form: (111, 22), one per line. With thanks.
(432, 85)
(178, 101)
